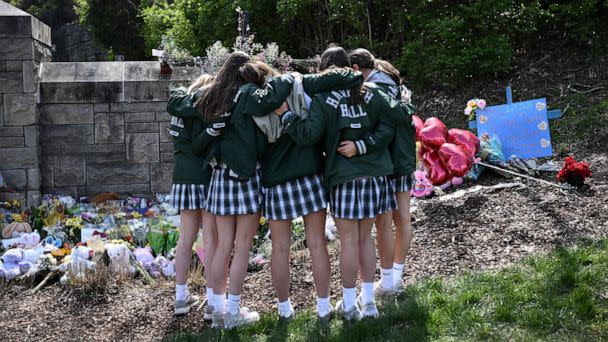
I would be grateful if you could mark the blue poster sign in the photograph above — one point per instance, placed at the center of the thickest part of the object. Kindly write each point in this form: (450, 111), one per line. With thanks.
(522, 127)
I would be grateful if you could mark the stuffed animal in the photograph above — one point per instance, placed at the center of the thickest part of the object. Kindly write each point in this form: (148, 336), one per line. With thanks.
(166, 267)
(422, 186)
(77, 264)
(14, 264)
(15, 229)
(30, 240)
(120, 259)
(144, 256)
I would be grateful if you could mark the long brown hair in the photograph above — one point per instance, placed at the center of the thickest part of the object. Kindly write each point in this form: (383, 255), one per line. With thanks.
(257, 72)
(363, 58)
(203, 80)
(387, 68)
(336, 57)
(217, 100)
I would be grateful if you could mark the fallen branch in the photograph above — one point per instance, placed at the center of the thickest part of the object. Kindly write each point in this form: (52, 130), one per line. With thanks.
(46, 280)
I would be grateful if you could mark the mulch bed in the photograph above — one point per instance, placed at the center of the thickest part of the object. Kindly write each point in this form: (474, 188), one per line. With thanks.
(478, 231)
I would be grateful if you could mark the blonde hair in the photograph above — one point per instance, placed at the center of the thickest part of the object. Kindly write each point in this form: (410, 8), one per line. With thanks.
(202, 81)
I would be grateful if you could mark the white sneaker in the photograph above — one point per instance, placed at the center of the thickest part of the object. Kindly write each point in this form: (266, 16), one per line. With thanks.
(399, 287)
(242, 318)
(182, 307)
(326, 319)
(380, 291)
(208, 314)
(368, 309)
(217, 320)
(353, 314)
(287, 316)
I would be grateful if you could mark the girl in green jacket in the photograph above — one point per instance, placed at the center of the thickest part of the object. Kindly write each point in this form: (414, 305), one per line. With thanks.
(359, 188)
(392, 250)
(189, 196)
(294, 187)
(235, 192)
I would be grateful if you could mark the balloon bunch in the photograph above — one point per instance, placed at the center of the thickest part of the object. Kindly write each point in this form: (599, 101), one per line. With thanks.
(446, 154)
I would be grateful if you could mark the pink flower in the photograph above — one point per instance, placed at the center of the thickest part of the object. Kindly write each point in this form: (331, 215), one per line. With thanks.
(468, 111)
(481, 103)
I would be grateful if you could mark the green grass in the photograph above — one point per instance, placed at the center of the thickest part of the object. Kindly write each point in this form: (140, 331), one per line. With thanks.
(562, 296)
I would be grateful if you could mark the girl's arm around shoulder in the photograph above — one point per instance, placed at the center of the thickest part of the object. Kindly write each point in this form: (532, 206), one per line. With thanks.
(181, 103)
(311, 130)
(335, 79)
(261, 101)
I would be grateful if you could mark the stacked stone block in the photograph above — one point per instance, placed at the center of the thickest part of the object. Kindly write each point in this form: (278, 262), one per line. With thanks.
(24, 45)
(104, 127)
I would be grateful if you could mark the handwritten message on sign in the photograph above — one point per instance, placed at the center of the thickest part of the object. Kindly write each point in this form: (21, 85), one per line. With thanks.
(522, 127)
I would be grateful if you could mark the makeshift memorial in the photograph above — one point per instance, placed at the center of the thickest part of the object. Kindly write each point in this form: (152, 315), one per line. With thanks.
(573, 172)
(144, 257)
(15, 229)
(14, 264)
(422, 186)
(167, 267)
(77, 264)
(465, 139)
(472, 106)
(434, 133)
(119, 258)
(455, 160)
(436, 171)
(418, 124)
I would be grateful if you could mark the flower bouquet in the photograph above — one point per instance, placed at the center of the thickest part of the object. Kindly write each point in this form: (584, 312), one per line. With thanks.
(573, 172)
(472, 106)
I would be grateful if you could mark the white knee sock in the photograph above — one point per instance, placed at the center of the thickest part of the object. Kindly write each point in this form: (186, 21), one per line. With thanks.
(209, 296)
(285, 307)
(181, 292)
(367, 292)
(234, 304)
(323, 306)
(219, 303)
(398, 273)
(350, 297)
(386, 278)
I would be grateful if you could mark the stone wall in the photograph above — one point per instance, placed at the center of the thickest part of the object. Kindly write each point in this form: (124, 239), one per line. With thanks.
(103, 127)
(24, 45)
(79, 128)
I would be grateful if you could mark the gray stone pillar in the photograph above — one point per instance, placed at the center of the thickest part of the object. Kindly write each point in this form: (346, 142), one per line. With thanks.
(24, 43)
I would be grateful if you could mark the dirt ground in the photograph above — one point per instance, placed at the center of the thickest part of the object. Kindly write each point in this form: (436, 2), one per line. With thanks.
(479, 231)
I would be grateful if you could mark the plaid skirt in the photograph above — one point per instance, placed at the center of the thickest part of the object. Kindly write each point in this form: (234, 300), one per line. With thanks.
(230, 196)
(363, 198)
(294, 198)
(402, 183)
(188, 196)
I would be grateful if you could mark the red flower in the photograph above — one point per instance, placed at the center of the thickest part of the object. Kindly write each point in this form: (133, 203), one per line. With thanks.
(574, 172)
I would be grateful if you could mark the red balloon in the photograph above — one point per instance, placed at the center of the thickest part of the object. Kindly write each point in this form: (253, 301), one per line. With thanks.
(432, 137)
(437, 173)
(434, 121)
(465, 139)
(455, 159)
(418, 124)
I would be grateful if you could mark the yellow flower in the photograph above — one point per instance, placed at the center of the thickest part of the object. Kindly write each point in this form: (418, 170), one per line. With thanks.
(17, 217)
(136, 215)
(263, 221)
(472, 104)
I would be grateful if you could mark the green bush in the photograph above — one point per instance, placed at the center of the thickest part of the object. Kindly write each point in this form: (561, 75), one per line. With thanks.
(449, 44)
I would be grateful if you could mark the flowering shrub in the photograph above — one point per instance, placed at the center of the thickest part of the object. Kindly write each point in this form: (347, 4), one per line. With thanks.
(573, 172)
(472, 106)
(217, 53)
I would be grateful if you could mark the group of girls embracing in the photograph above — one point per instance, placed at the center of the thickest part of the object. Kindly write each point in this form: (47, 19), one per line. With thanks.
(250, 141)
